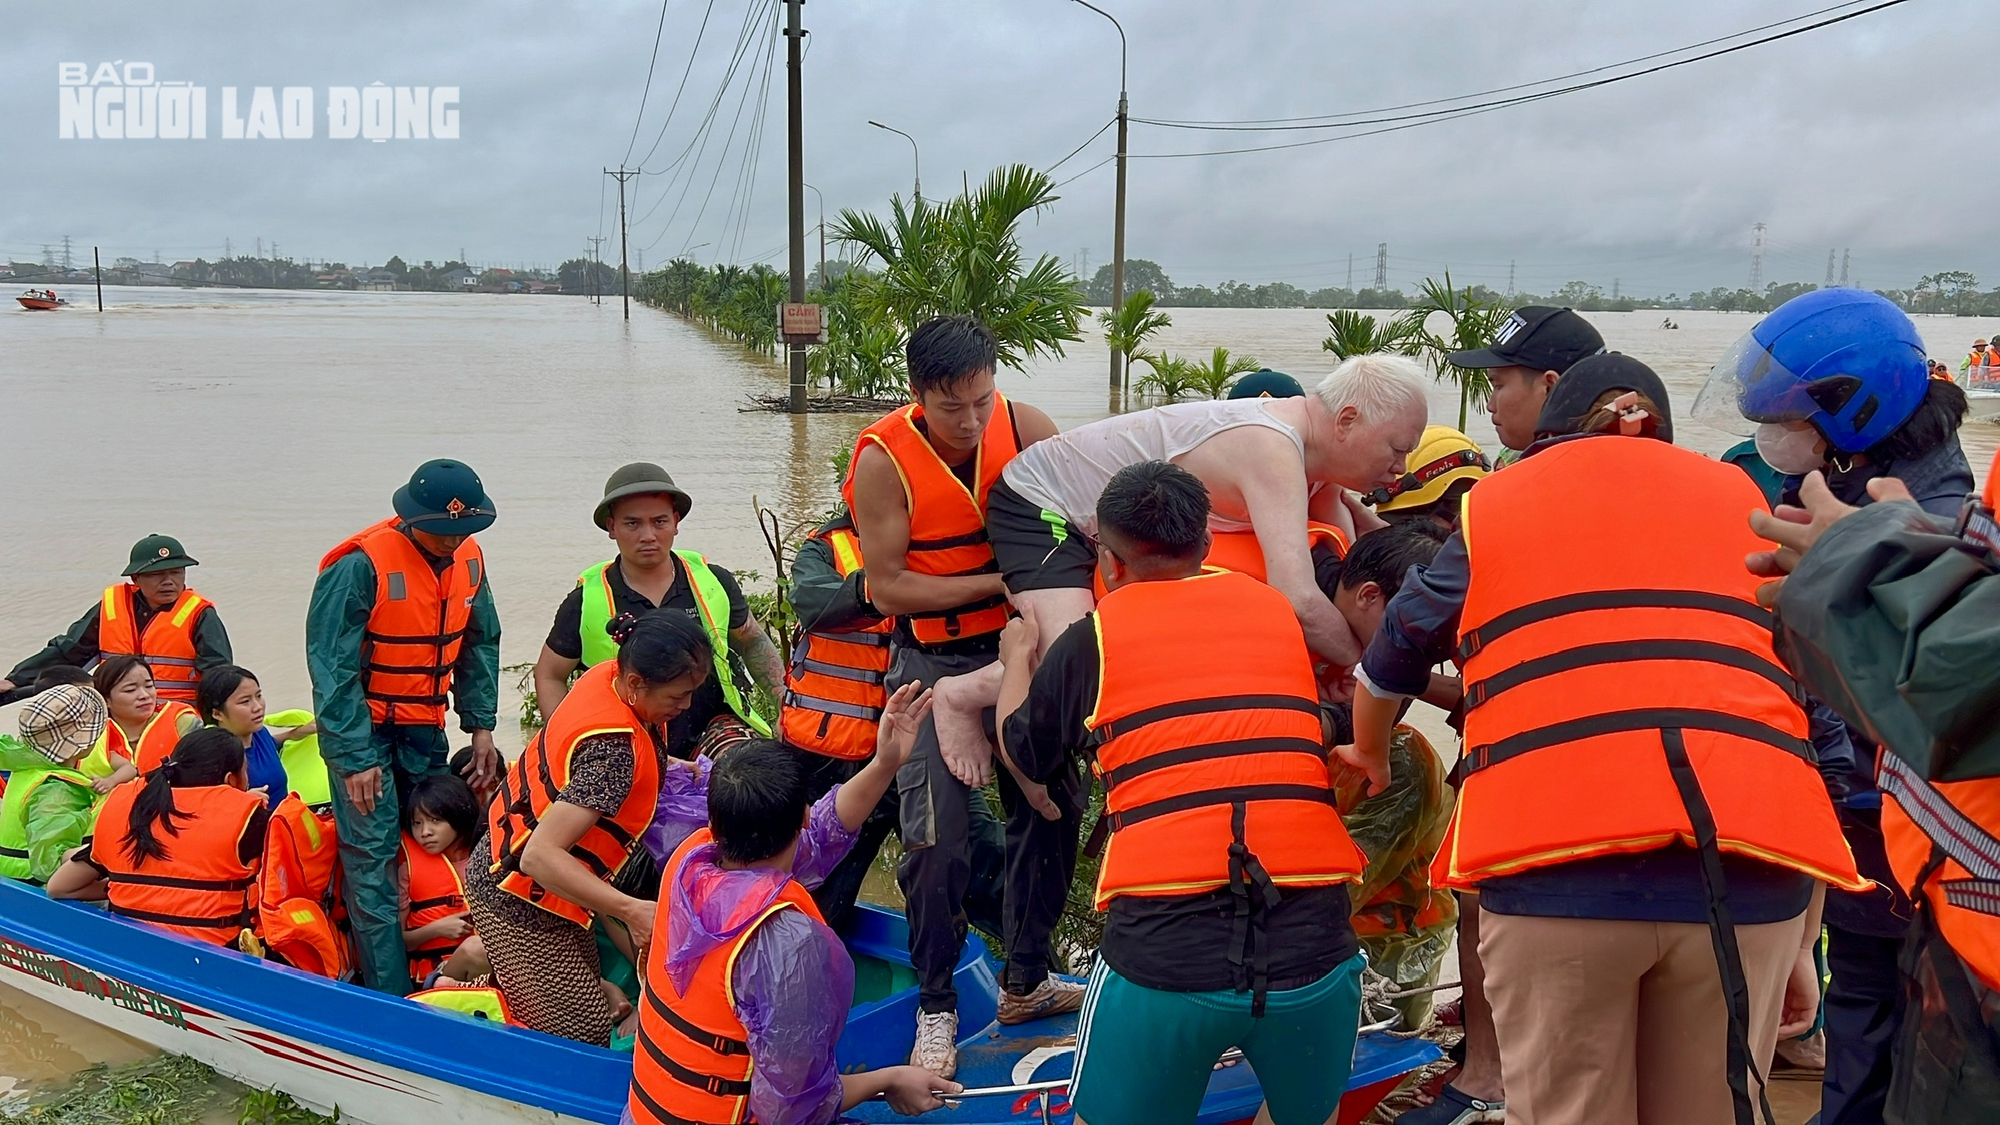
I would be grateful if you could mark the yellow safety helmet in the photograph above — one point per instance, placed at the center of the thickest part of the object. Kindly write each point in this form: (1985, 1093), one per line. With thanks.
(1441, 458)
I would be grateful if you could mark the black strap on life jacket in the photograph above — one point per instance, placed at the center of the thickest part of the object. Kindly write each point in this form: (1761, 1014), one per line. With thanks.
(1645, 718)
(1236, 795)
(228, 922)
(720, 1044)
(688, 1076)
(1741, 1065)
(660, 1112)
(1479, 692)
(1249, 945)
(138, 880)
(1208, 751)
(1478, 638)
(433, 903)
(1212, 705)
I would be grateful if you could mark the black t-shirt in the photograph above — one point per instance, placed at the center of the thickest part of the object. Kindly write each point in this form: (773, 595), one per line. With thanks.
(566, 640)
(1180, 943)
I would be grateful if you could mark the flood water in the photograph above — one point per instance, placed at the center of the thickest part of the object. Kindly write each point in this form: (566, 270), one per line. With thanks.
(261, 428)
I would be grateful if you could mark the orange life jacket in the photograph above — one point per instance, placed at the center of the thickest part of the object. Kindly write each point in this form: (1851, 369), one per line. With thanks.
(155, 742)
(417, 625)
(1620, 679)
(202, 889)
(947, 520)
(1956, 826)
(537, 777)
(834, 687)
(1239, 551)
(1214, 768)
(692, 1060)
(167, 643)
(299, 911)
(436, 893)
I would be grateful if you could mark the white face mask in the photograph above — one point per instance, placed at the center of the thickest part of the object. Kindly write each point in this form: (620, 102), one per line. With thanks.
(1792, 448)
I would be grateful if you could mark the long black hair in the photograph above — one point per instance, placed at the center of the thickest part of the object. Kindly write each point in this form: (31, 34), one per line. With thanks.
(217, 685)
(446, 797)
(660, 647)
(203, 757)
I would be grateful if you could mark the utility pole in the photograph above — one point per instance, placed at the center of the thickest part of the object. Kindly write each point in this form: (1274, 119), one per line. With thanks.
(624, 272)
(1843, 267)
(596, 295)
(97, 264)
(1757, 260)
(1381, 267)
(1829, 270)
(1350, 272)
(822, 236)
(228, 249)
(796, 196)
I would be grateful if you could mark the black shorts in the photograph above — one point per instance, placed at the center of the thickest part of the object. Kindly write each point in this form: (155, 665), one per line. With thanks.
(1037, 549)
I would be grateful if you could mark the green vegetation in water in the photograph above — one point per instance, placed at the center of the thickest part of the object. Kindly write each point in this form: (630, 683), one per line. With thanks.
(168, 1090)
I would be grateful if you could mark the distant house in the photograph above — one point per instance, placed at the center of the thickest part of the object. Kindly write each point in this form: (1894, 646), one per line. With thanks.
(462, 277)
(379, 281)
(6, 270)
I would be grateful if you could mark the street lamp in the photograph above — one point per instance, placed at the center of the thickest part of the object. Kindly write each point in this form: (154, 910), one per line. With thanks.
(822, 236)
(1118, 228)
(915, 157)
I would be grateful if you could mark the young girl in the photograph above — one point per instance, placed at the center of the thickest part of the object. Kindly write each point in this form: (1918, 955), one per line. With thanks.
(231, 699)
(143, 728)
(181, 849)
(440, 820)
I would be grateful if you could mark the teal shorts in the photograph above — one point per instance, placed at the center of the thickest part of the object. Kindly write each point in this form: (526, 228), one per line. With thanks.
(1144, 1056)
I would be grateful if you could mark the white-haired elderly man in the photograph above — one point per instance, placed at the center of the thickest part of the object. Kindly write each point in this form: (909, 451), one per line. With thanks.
(1270, 465)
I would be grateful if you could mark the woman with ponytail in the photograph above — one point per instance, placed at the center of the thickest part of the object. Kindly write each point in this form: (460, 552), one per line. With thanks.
(180, 848)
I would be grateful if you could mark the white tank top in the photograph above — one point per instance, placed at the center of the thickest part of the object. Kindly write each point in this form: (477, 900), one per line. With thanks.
(1066, 473)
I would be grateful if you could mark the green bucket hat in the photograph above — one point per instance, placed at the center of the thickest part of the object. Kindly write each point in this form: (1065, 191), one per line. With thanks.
(157, 552)
(640, 478)
(445, 498)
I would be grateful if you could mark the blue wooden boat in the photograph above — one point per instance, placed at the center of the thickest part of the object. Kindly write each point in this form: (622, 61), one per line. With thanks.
(385, 1061)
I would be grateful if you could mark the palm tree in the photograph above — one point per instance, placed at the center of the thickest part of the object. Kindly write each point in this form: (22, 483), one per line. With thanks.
(1472, 323)
(965, 256)
(1130, 325)
(1357, 333)
(1170, 378)
(1213, 378)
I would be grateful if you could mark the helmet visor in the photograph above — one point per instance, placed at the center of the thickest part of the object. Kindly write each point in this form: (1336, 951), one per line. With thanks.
(1747, 387)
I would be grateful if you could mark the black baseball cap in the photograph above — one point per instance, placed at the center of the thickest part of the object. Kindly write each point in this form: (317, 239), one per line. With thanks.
(1537, 337)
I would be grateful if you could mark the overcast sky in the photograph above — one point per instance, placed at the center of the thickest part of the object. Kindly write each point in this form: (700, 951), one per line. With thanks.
(1880, 135)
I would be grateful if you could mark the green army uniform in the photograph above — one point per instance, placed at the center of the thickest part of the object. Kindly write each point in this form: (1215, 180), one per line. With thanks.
(351, 741)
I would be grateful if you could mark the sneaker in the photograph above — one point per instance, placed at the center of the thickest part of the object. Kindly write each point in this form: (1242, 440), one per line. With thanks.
(1052, 997)
(1454, 1107)
(937, 1043)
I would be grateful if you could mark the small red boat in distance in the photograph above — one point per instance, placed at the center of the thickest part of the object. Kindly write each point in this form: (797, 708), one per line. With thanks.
(40, 300)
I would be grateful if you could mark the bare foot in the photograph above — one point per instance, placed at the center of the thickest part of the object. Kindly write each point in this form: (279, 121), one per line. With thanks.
(621, 1006)
(961, 736)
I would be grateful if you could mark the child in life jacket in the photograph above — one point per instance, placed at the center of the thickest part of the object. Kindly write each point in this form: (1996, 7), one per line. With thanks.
(747, 990)
(440, 821)
(181, 848)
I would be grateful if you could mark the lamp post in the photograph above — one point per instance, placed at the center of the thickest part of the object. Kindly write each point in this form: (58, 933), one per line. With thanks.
(1118, 227)
(822, 236)
(916, 158)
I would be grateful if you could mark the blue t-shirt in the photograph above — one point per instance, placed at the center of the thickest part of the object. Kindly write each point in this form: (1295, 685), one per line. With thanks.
(265, 766)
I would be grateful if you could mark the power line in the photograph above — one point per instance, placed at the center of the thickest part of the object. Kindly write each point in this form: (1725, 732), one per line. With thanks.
(647, 92)
(1489, 107)
(1195, 123)
(689, 69)
(1050, 170)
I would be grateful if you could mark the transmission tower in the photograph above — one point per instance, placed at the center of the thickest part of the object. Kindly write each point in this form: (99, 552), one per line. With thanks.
(48, 257)
(1350, 273)
(66, 261)
(1381, 266)
(1510, 279)
(1843, 267)
(1614, 288)
(1757, 260)
(1083, 260)
(1829, 270)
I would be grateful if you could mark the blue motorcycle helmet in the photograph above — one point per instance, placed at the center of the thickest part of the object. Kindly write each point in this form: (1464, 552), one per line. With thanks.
(1845, 361)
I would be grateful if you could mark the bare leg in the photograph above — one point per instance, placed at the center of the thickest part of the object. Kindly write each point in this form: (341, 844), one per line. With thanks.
(961, 700)
(1053, 611)
(1481, 1076)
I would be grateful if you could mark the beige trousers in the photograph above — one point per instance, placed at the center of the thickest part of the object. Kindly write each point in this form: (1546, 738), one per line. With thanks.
(1624, 1023)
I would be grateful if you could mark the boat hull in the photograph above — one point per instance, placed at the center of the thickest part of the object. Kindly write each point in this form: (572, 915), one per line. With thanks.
(36, 304)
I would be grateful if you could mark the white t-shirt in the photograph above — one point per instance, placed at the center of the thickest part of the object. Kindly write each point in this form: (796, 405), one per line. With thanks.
(1066, 473)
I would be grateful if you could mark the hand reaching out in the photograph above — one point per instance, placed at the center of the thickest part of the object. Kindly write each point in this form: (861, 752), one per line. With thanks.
(902, 717)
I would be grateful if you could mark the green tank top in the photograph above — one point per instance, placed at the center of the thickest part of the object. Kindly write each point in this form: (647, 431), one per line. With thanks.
(710, 599)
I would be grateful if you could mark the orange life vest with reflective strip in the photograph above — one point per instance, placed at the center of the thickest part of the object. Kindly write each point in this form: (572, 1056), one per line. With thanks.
(1239, 551)
(167, 643)
(436, 893)
(155, 742)
(1621, 689)
(300, 915)
(1215, 772)
(417, 625)
(947, 520)
(202, 888)
(834, 689)
(692, 1059)
(1956, 826)
(537, 777)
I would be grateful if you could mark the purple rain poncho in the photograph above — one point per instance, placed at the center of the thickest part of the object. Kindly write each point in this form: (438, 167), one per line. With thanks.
(794, 982)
